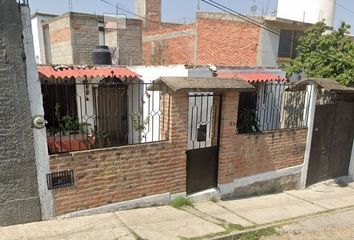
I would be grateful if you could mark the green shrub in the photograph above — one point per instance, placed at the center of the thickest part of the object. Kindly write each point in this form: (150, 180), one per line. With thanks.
(180, 202)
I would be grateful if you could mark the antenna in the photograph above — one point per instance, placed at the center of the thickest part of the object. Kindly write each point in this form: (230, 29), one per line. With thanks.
(254, 8)
(70, 5)
(117, 9)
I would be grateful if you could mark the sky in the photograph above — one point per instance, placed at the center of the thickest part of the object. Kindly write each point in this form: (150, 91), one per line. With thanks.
(180, 11)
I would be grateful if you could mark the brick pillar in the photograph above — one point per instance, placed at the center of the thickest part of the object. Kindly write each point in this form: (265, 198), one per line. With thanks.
(227, 133)
(178, 137)
(178, 131)
(151, 11)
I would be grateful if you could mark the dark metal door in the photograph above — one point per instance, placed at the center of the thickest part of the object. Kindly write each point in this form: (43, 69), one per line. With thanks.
(342, 140)
(331, 142)
(203, 141)
(321, 142)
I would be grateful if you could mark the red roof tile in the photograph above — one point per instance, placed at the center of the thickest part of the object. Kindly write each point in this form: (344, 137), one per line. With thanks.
(253, 76)
(69, 72)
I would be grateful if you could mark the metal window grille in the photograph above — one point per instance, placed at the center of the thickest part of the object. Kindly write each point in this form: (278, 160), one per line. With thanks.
(272, 107)
(60, 179)
(111, 112)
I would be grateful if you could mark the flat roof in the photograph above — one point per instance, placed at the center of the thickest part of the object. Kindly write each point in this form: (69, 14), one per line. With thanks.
(328, 84)
(203, 84)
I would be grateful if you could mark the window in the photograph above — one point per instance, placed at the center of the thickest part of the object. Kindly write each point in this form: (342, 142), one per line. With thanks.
(288, 43)
(101, 34)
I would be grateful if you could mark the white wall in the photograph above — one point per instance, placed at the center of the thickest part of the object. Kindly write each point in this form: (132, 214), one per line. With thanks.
(35, 33)
(152, 99)
(309, 11)
(38, 38)
(85, 103)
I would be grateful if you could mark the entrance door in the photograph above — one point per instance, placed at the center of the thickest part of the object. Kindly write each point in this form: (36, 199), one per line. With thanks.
(203, 141)
(331, 142)
(112, 115)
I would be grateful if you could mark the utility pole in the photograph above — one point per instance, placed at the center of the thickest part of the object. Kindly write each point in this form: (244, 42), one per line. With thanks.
(198, 5)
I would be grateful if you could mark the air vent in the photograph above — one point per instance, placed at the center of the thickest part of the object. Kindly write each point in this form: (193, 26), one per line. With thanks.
(60, 179)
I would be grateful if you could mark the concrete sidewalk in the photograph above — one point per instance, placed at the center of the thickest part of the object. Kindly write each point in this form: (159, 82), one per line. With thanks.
(204, 220)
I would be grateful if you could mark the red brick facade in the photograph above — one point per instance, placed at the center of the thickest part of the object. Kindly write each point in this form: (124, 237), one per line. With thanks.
(119, 174)
(249, 154)
(124, 173)
(170, 51)
(227, 42)
(216, 40)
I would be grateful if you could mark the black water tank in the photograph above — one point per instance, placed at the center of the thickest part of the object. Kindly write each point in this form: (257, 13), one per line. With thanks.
(101, 56)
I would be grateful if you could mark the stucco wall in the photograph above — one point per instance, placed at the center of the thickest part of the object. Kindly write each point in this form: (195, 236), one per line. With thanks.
(19, 197)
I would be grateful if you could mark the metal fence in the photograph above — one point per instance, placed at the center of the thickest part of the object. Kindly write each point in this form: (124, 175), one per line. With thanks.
(272, 107)
(84, 115)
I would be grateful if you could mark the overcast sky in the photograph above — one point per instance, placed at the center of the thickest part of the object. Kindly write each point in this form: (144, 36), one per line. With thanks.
(179, 10)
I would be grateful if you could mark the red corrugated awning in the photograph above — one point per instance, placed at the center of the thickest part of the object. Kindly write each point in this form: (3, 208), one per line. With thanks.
(252, 76)
(77, 72)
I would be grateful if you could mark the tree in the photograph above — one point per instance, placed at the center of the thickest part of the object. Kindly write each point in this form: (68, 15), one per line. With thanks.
(325, 55)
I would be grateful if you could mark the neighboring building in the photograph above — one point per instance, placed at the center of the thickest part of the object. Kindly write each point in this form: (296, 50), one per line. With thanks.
(150, 11)
(308, 11)
(72, 37)
(224, 40)
(38, 19)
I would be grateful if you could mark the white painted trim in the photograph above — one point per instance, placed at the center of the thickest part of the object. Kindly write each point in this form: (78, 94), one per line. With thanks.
(311, 119)
(154, 200)
(205, 196)
(35, 97)
(351, 166)
(245, 181)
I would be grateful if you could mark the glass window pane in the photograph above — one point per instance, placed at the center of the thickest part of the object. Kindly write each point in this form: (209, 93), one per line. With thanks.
(285, 43)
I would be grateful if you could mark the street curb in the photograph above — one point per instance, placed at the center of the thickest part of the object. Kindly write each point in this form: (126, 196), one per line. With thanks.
(239, 234)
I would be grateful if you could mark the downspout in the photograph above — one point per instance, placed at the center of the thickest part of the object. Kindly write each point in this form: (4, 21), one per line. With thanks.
(312, 108)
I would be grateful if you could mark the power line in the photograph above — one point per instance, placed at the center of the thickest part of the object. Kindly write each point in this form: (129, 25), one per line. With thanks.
(146, 19)
(235, 13)
(222, 8)
(345, 8)
(240, 15)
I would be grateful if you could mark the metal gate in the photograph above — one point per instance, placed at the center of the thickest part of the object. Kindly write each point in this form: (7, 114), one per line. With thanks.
(203, 141)
(332, 141)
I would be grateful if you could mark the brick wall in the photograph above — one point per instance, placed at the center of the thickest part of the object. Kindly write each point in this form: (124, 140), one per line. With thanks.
(170, 51)
(130, 43)
(84, 29)
(221, 39)
(227, 42)
(129, 172)
(60, 41)
(170, 45)
(249, 154)
(149, 9)
(118, 174)
(74, 36)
